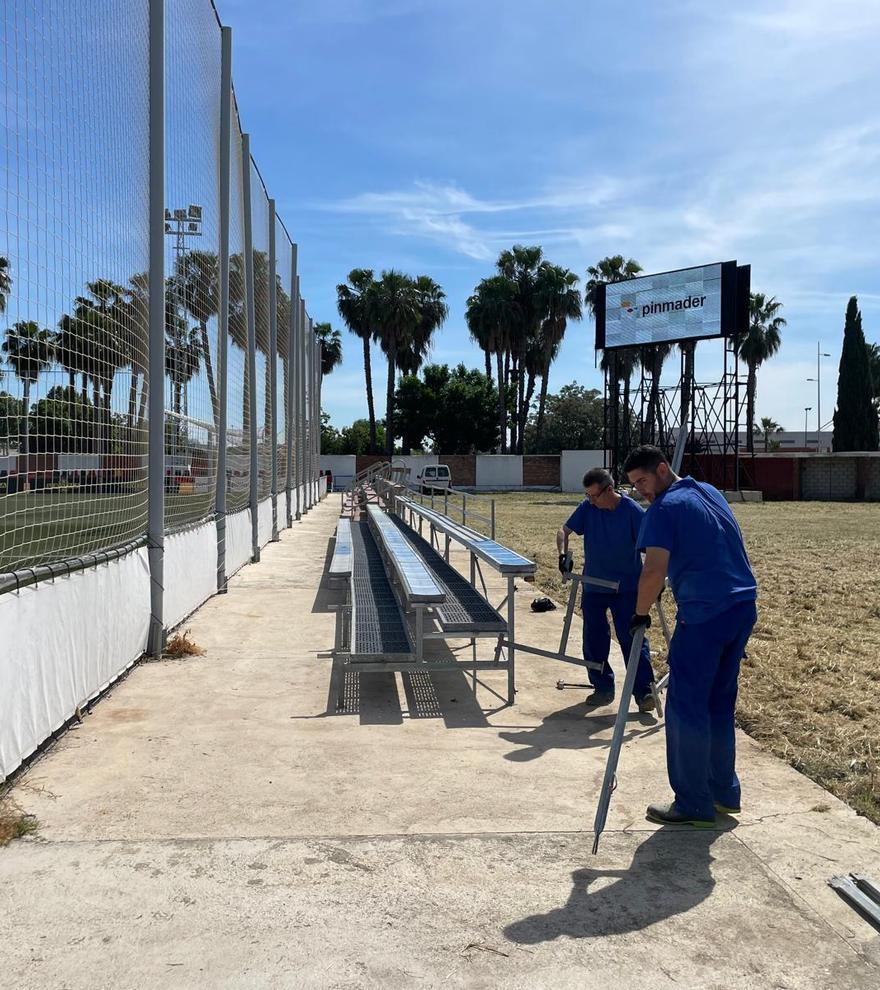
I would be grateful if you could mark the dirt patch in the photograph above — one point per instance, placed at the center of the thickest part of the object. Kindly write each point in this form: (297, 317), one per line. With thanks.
(810, 688)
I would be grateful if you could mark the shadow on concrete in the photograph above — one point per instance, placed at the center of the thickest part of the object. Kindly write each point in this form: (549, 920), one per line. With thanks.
(328, 596)
(573, 728)
(669, 875)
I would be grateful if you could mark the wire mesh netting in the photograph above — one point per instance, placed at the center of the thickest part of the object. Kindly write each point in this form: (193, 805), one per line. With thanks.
(192, 294)
(238, 394)
(283, 254)
(73, 287)
(260, 235)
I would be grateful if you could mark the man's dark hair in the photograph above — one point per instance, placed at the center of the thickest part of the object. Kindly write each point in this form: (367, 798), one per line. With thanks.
(598, 476)
(645, 458)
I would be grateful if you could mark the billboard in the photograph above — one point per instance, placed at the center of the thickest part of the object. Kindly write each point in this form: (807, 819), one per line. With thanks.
(687, 304)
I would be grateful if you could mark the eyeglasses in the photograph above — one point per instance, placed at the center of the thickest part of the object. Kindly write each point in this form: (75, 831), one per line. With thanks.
(599, 494)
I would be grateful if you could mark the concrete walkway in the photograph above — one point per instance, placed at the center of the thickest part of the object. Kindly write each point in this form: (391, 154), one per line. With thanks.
(211, 824)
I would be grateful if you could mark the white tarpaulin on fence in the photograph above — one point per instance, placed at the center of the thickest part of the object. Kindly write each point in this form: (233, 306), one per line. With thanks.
(238, 540)
(190, 571)
(264, 521)
(61, 643)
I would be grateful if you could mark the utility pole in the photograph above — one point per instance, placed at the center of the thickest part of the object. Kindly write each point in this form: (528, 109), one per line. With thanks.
(818, 380)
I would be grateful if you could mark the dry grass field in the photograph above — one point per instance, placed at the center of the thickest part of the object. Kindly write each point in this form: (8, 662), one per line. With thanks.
(810, 688)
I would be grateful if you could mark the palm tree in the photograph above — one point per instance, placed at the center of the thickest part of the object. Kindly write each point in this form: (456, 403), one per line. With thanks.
(559, 300)
(30, 350)
(432, 314)
(397, 314)
(94, 344)
(769, 426)
(652, 358)
(183, 348)
(759, 344)
(618, 364)
(330, 342)
(688, 349)
(238, 333)
(520, 265)
(491, 311)
(353, 300)
(197, 274)
(5, 282)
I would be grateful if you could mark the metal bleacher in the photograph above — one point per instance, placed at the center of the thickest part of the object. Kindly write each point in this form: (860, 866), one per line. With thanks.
(395, 574)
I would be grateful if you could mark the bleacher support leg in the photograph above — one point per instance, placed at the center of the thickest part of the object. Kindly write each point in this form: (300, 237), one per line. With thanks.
(511, 637)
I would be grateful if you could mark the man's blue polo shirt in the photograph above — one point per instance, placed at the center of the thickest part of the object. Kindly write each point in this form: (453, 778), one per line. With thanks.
(610, 543)
(709, 569)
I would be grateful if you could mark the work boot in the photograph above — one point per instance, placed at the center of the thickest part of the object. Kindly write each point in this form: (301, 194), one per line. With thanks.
(599, 698)
(669, 814)
(646, 703)
(727, 809)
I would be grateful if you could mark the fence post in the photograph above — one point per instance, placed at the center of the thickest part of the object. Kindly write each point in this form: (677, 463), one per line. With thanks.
(223, 315)
(300, 428)
(291, 386)
(251, 311)
(312, 484)
(156, 362)
(273, 369)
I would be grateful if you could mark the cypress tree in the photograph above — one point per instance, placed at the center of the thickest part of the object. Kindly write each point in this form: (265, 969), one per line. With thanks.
(855, 419)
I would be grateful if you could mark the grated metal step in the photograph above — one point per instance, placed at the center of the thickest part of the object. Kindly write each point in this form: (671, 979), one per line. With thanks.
(465, 609)
(378, 625)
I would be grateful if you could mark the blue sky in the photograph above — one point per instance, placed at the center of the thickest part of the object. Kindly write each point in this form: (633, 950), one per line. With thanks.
(428, 135)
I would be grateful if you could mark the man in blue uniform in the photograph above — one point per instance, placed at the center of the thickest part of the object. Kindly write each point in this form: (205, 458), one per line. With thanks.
(690, 533)
(609, 524)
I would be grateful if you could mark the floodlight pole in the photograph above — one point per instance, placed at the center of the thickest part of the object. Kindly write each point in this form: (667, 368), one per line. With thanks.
(156, 360)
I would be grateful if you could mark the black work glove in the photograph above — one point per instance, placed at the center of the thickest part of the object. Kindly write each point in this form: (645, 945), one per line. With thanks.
(566, 564)
(638, 622)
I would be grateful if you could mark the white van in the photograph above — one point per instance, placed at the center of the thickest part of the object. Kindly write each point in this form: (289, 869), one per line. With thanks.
(434, 478)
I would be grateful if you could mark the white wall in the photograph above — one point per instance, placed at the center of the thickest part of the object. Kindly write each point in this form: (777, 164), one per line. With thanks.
(238, 540)
(575, 464)
(342, 466)
(63, 642)
(499, 471)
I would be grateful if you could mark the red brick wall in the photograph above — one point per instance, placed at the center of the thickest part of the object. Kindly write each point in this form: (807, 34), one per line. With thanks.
(368, 460)
(462, 467)
(541, 469)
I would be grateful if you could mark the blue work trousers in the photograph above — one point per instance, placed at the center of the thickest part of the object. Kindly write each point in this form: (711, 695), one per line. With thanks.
(597, 639)
(704, 661)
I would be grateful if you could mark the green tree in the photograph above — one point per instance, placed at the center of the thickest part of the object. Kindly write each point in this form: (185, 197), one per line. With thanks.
(465, 420)
(520, 266)
(354, 303)
(769, 426)
(491, 311)
(355, 439)
(331, 347)
(62, 423)
(559, 300)
(762, 340)
(414, 411)
(330, 436)
(30, 350)
(396, 312)
(12, 414)
(874, 364)
(573, 420)
(855, 418)
(5, 282)
(432, 314)
(619, 364)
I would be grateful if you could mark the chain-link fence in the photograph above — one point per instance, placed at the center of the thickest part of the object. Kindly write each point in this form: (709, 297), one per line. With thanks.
(77, 321)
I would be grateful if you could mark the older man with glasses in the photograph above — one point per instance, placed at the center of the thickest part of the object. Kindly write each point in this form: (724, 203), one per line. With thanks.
(610, 524)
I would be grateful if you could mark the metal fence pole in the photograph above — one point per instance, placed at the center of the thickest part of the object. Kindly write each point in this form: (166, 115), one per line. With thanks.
(302, 404)
(300, 433)
(273, 368)
(290, 412)
(223, 315)
(311, 412)
(251, 311)
(156, 363)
